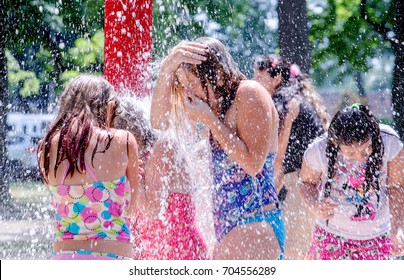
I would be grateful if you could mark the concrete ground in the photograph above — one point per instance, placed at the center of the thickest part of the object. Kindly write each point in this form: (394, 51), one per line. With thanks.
(26, 224)
(25, 240)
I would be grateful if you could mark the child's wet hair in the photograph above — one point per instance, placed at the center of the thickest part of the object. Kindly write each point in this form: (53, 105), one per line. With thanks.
(82, 108)
(355, 125)
(275, 65)
(221, 72)
(133, 119)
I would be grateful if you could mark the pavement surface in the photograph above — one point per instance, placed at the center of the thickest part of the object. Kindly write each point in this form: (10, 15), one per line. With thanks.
(25, 231)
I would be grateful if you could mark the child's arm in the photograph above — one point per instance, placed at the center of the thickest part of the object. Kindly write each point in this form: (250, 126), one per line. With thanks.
(310, 192)
(284, 134)
(396, 201)
(184, 52)
(132, 170)
(248, 146)
(161, 101)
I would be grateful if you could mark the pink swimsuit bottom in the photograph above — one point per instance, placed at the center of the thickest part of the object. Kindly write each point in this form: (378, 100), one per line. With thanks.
(327, 246)
(176, 237)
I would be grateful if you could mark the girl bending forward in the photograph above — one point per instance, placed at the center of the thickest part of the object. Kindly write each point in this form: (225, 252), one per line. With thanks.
(352, 180)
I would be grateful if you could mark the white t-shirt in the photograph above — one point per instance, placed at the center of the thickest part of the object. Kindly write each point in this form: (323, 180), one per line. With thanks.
(356, 217)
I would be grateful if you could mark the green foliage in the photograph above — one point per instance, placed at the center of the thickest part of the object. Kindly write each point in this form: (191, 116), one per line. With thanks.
(341, 39)
(20, 81)
(41, 34)
(387, 120)
(44, 58)
(239, 24)
(87, 51)
(85, 56)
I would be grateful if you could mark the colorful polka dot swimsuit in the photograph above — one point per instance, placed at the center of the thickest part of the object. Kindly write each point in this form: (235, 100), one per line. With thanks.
(92, 212)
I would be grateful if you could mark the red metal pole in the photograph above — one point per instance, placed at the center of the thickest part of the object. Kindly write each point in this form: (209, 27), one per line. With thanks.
(128, 45)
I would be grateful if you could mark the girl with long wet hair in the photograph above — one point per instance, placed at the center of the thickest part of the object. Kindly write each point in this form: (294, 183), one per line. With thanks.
(302, 118)
(168, 230)
(91, 171)
(201, 79)
(352, 181)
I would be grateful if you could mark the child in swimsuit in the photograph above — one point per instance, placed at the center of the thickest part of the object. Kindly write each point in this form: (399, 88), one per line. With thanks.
(352, 181)
(202, 83)
(302, 118)
(169, 231)
(91, 170)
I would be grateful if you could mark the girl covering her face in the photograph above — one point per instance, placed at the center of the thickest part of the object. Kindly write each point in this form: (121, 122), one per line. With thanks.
(242, 123)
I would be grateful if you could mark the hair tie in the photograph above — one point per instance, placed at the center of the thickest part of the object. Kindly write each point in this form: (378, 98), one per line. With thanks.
(355, 106)
(295, 70)
(274, 63)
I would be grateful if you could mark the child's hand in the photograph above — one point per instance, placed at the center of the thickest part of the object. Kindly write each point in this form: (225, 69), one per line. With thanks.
(197, 110)
(325, 209)
(397, 239)
(184, 52)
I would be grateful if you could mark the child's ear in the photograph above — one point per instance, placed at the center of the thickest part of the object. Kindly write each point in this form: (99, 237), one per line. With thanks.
(110, 113)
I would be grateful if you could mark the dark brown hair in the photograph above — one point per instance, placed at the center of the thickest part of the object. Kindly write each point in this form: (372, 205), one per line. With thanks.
(82, 108)
(294, 83)
(219, 66)
(355, 124)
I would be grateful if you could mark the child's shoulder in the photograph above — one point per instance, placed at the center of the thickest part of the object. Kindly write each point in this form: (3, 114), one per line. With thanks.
(118, 136)
(250, 89)
(391, 141)
(319, 143)
(315, 154)
(388, 131)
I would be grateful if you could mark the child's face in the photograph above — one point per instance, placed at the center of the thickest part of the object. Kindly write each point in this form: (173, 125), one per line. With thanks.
(192, 86)
(359, 151)
(265, 79)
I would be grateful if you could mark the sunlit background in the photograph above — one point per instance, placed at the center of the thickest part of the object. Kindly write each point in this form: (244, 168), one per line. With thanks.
(352, 49)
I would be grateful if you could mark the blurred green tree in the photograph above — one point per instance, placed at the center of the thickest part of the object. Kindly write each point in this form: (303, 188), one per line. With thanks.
(347, 34)
(36, 34)
(391, 29)
(240, 24)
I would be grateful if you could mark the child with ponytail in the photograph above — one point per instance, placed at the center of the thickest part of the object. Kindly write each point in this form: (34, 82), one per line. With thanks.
(352, 181)
(302, 118)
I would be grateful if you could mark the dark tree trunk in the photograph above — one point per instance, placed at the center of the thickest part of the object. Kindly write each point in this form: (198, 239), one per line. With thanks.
(52, 44)
(397, 91)
(294, 33)
(4, 187)
(397, 43)
(360, 84)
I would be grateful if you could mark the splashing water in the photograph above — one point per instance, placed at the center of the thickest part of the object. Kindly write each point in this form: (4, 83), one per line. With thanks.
(183, 202)
(26, 228)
